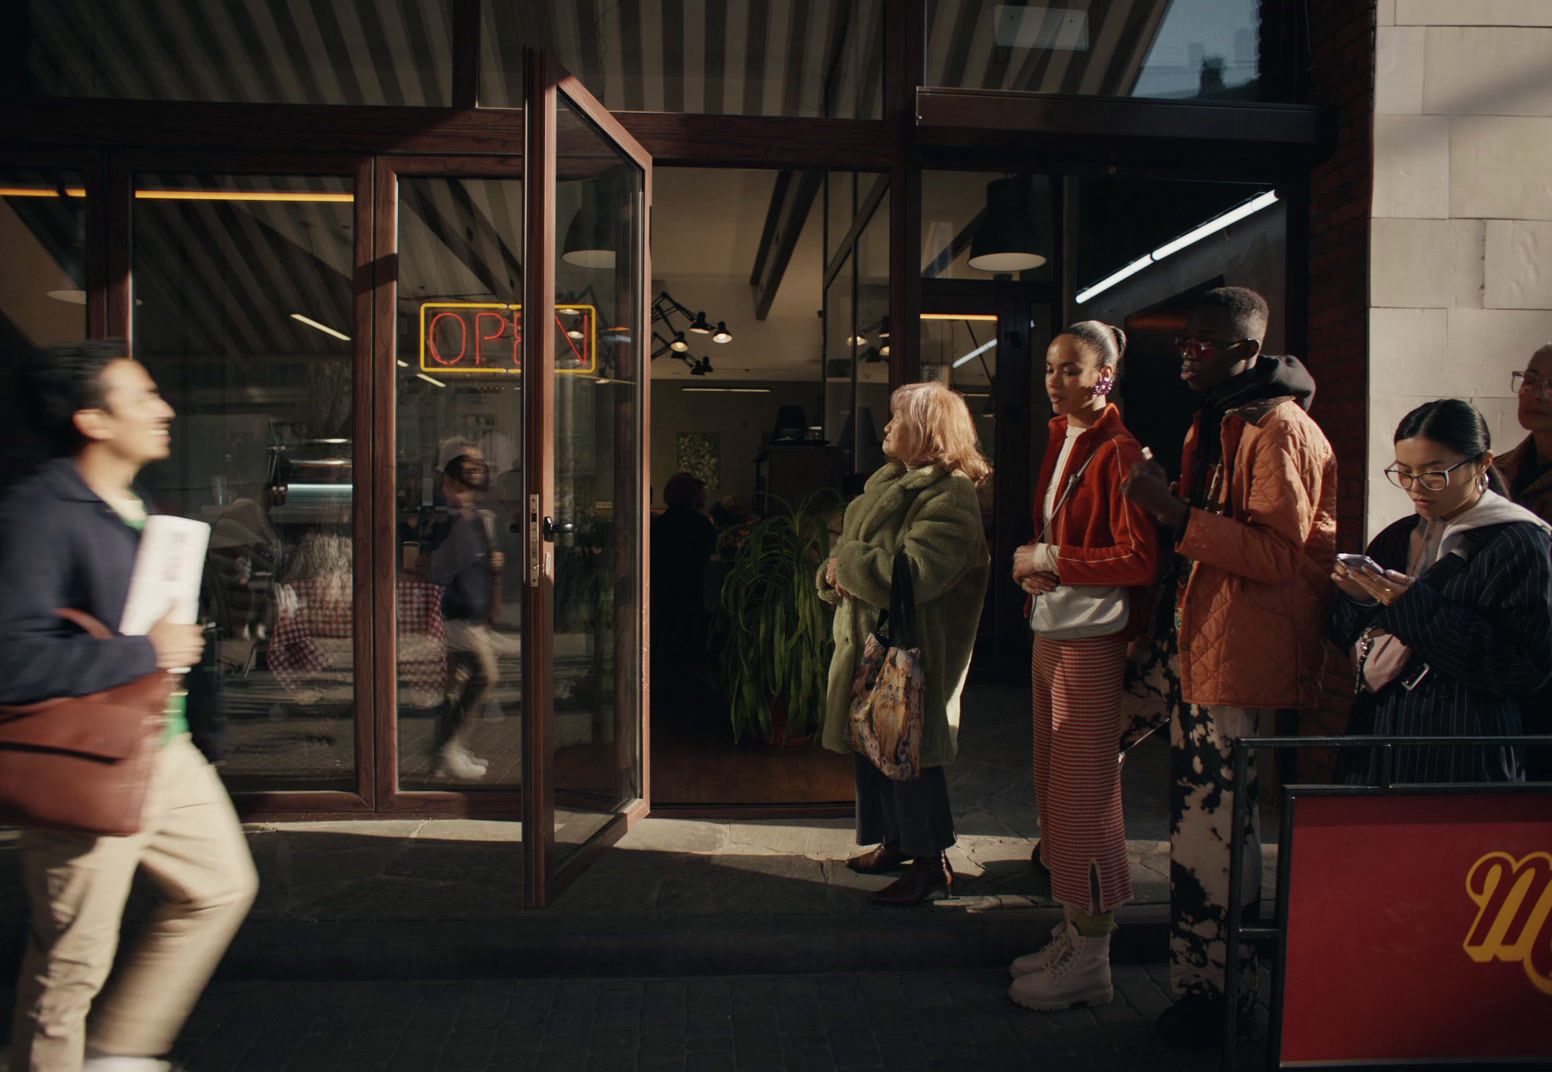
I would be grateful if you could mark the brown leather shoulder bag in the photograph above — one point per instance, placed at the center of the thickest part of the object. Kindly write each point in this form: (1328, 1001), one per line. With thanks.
(83, 763)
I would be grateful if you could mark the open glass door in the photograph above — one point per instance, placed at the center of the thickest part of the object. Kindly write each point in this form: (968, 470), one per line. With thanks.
(588, 199)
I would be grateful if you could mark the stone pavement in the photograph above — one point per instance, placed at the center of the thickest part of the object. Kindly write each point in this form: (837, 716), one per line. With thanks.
(931, 1021)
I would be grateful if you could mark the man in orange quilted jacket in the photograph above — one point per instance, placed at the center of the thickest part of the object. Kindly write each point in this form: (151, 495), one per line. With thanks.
(1254, 519)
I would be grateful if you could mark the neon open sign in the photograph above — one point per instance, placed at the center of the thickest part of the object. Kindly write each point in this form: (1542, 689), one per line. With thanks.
(488, 337)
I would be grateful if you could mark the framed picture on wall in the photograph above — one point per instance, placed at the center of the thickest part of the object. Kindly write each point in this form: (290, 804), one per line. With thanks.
(700, 455)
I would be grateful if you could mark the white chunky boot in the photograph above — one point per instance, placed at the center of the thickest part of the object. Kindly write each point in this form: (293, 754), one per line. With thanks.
(1041, 958)
(1078, 975)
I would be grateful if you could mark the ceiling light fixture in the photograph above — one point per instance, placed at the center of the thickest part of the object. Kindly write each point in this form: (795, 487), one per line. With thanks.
(401, 362)
(1006, 239)
(1190, 238)
(594, 231)
(68, 296)
(431, 380)
(310, 322)
(671, 340)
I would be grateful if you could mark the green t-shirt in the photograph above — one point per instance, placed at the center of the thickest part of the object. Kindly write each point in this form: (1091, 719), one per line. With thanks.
(133, 515)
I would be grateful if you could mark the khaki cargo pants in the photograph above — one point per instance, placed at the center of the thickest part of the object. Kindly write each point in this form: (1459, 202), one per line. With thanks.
(192, 848)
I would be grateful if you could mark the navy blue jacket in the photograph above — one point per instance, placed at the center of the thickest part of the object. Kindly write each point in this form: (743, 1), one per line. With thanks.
(62, 546)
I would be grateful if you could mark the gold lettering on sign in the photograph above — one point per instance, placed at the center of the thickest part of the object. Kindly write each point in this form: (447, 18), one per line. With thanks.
(1514, 903)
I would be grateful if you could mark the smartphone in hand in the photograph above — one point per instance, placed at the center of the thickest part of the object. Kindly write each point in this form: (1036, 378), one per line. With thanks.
(1360, 563)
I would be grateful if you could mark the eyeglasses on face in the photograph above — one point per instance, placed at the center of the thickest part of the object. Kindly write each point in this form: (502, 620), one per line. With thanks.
(1197, 347)
(1433, 480)
(1528, 383)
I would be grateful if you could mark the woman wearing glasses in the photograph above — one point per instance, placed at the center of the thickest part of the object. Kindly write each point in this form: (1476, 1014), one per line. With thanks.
(1450, 615)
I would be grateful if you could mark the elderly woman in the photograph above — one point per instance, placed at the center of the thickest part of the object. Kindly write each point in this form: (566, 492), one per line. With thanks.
(921, 502)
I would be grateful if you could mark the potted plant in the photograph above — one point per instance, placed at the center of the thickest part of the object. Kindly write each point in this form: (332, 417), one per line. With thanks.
(773, 628)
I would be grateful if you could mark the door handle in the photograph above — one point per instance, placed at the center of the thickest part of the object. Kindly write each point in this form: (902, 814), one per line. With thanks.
(552, 528)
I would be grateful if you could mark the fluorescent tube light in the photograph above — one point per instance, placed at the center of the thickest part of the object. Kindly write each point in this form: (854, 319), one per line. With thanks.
(1191, 237)
(310, 322)
(1233, 216)
(977, 352)
(1111, 280)
(431, 379)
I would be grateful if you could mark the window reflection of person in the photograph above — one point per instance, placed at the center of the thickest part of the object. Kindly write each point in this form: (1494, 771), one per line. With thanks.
(460, 558)
(246, 553)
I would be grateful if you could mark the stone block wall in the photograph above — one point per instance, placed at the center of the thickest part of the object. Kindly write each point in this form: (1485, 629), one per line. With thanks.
(1460, 267)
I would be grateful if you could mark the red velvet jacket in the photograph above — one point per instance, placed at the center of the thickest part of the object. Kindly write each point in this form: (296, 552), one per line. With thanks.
(1102, 537)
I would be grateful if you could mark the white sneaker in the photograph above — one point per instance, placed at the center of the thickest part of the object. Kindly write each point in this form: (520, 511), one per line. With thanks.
(1080, 975)
(1040, 958)
(113, 1062)
(458, 764)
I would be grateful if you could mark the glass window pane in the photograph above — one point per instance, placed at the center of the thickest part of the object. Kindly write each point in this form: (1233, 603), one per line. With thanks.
(459, 484)
(781, 57)
(596, 733)
(362, 52)
(243, 314)
(1207, 49)
(42, 289)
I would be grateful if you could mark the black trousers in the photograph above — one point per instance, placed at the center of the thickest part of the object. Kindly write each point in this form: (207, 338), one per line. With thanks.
(912, 816)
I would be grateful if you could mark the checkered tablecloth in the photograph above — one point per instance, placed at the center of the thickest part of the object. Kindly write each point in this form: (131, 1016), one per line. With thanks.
(312, 650)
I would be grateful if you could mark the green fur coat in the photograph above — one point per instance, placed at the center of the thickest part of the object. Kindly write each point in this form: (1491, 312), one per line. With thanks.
(936, 517)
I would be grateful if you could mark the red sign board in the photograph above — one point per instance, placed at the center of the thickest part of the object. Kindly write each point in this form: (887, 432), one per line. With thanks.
(1419, 928)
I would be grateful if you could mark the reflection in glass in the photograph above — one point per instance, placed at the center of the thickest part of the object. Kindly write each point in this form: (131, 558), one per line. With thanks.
(363, 52)
(596, 733)
(459, 483)
(42, 289)
(707, 57)
(243, 313)
(1205, 49)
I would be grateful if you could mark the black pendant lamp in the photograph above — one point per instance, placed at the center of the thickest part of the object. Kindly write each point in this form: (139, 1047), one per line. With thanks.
(1006, 239)
(593, 233)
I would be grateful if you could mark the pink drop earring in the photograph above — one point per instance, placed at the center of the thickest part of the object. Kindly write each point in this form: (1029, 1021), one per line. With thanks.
(1102, 387)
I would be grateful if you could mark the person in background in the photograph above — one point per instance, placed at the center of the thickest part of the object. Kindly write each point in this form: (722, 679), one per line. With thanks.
(460, 557)
(683, 540)
(921, 502)
(1454, 627)
(1089, 534)
(1254, 525)
(68, 538)
(1527, 474)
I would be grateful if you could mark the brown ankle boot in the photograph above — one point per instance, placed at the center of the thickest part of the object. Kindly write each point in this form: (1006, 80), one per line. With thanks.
(924, 880)
(878, 861)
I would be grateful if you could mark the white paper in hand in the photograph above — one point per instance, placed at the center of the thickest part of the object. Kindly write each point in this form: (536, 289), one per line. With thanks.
(168, 568)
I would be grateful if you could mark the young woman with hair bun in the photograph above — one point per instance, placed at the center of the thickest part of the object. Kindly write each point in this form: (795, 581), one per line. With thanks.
(1090, 536)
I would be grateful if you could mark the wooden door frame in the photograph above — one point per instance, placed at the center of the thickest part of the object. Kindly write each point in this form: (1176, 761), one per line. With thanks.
(546, 82)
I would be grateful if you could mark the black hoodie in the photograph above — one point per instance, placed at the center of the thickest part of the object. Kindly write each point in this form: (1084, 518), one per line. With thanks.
(1272, 376)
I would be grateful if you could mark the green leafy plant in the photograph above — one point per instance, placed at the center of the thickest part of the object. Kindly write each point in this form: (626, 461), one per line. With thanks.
(773, 628)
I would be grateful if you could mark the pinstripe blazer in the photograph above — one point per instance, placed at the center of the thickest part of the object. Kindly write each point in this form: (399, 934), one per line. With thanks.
(1484, 627)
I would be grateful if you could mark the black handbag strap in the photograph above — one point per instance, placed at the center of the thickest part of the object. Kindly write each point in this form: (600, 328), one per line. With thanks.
(898, 621)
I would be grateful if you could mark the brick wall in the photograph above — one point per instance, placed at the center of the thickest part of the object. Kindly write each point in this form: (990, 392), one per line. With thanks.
(1341, 77)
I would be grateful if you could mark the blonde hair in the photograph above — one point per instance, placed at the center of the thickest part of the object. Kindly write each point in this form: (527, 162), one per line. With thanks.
(938, 430)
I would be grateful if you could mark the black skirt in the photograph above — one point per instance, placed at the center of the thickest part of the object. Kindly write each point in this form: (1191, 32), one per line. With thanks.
(913, 816)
